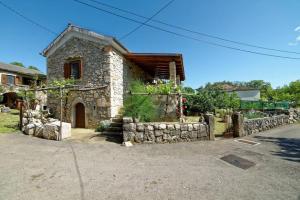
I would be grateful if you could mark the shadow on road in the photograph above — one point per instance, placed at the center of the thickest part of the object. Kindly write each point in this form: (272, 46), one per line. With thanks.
(289, 147)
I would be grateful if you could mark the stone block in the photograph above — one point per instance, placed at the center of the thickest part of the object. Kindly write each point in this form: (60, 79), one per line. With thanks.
(159, 139)
(194, 134)
(190, 127)
(184, 134)
(177, 126)
(129, 127)
(29, 129)
(196, 127)
(140, 127)
(52, 130)
(170, 127)
(127, 120)
(149, 128)
(162, 126)
(158, 132)
(184, 127)
(139, 137)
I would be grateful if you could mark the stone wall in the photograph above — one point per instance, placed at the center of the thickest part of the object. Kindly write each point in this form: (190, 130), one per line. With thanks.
(262, 124)
(164, 132)
(122, 72)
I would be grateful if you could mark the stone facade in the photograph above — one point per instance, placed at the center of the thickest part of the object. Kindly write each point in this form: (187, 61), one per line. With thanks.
(164, 132)
(102, 66)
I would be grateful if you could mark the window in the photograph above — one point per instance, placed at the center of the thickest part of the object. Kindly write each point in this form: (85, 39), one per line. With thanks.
(10, 80)
(74, 66)
(73, 69)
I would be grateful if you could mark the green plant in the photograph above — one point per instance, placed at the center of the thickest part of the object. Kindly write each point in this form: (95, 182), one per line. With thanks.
(254, 115)
(139, 106)
(103, 125)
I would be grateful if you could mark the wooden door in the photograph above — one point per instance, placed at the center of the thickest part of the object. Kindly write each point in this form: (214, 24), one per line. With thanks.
(80, 116)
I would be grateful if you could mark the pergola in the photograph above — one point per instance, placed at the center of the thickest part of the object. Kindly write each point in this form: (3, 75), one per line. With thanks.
(162, 65)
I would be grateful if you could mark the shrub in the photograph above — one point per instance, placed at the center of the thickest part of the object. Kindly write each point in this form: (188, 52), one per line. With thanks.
(254, 115)
(139, 106)
(103, 125)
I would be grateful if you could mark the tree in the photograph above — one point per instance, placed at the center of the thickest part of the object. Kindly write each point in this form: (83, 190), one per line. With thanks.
(17, 63)
(33, 67)
(188, 90)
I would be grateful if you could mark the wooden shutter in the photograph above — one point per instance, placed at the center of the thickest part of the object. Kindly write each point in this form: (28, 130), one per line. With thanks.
(80, 69)
(67, 71)
(17, 80)
(3, 79)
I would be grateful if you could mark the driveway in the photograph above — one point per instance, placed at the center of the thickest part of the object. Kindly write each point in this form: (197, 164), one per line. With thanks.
(37, 169)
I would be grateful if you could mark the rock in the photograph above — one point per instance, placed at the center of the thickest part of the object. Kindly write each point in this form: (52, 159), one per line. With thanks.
(196, 126)
(5, 109)
(162, 126)
(170, 127)
(149, 128)
(39, 131)
(139, 136)
(140, 127)
(127, 120)
(158, 132)
(177, 126)
(51, 130)
(128, 144)
(129, 127)
(190, 127)
(29, 129)
(184, 127)
(128, 136)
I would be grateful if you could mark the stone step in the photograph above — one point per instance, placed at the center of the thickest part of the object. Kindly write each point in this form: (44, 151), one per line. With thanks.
(116, 134)
(114, 129)
(117, 120)
(116, 124)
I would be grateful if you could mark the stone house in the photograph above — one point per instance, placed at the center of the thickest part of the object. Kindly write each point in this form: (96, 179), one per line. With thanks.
(13, 78)
(103, 69)
(246, 94)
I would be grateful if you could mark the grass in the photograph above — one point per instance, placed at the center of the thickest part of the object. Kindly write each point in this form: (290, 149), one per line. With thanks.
(9, 121)
(220, 126)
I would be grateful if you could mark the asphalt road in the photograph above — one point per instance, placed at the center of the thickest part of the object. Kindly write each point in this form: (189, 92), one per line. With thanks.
(38, 169)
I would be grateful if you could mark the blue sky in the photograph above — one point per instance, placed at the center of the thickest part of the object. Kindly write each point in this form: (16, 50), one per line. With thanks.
(270, 23)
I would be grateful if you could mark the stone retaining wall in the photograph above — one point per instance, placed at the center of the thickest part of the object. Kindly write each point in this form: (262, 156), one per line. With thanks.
(164, 132)
(262, 124)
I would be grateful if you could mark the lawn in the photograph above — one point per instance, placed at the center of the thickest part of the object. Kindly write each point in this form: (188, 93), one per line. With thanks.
(219, 125)
(9, 121)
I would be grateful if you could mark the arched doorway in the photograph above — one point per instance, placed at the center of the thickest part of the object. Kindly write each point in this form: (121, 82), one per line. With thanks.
(79, 116)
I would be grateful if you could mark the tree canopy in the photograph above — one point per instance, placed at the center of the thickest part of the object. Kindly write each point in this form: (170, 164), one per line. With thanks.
(18, 64)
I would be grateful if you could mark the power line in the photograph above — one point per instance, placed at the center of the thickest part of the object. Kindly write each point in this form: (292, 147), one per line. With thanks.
(184, 36)
(193, 31)
(27, 19)
(149, 19)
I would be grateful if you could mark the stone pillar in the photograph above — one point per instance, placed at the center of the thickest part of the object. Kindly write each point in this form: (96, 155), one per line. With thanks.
(172, 71)
(238, 124)
(209, 119)
(177, 79)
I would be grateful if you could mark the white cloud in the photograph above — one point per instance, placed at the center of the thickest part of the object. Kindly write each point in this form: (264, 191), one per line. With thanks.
(298, 39)
(297, 29)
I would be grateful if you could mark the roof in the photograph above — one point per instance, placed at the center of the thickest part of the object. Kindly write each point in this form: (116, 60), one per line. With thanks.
(76, 31)
(158, 63)
(20, 70)
(155, 63)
